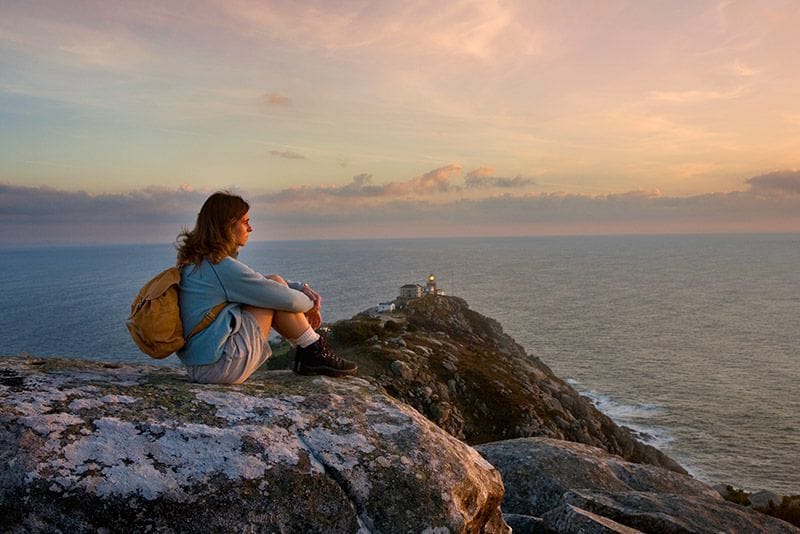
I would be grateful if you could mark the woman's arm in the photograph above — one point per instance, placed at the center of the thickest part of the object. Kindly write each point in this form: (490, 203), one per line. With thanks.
(244, 285)
(314, 316)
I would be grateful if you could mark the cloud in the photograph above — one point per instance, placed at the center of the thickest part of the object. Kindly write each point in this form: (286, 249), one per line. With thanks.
(48, 204)
(47, 214)
(287, 154)
(277, 99)
(66, 40)
(434, 182)
(779, 183)
(693, 97)
(360, 186)
(481, 172)
(483, 178)
(425, 205)
(634, 212)
(741, 69)
(637, 211)
(474, 29)
(437, 180)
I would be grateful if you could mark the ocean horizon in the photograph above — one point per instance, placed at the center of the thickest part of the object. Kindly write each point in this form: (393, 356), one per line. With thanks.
(690, 340)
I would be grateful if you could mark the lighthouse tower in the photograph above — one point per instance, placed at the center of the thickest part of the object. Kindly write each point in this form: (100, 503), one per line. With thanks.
(430, 288)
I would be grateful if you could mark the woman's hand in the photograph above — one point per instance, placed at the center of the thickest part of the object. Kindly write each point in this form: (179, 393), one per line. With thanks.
(314, 319)
(313, 315)
(315, 297)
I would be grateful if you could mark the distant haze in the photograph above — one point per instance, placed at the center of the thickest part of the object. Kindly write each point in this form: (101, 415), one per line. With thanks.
(379, 119)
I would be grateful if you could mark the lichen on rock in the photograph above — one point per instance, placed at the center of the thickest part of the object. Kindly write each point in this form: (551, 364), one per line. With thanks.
(136, 447)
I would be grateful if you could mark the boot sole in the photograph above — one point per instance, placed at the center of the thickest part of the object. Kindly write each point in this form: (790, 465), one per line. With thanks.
(326, 371)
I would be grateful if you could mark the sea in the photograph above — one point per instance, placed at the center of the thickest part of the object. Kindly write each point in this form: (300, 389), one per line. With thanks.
(692, 341)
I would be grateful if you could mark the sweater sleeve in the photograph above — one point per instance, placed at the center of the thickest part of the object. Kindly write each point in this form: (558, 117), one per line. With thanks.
(244, 285)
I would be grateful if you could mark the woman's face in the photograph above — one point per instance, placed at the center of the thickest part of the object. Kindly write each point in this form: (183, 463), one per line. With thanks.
(242, 229)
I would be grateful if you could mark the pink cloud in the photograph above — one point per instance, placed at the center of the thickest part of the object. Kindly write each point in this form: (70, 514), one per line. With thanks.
(361, 187)
(287, 154)
(423, 205)
(481, 172)
(435, 181)
(483, 177)
(277, 99)
(779, 182)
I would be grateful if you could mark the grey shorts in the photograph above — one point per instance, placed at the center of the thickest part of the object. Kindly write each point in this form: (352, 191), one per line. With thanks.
(244, 352)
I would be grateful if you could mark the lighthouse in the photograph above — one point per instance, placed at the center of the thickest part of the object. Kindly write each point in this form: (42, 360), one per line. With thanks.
(430, 287)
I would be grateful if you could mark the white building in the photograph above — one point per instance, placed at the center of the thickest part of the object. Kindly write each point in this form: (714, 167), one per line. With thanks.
(385, 307)
(411, 291)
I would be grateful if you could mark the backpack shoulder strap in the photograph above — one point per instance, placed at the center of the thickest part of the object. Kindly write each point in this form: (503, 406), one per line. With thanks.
(207, 319)
(211, 314)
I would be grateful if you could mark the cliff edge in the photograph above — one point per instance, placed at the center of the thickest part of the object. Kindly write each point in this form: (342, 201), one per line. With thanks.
(464, 373)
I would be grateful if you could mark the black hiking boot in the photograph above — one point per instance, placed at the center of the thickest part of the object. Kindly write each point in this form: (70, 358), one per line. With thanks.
(319, 359)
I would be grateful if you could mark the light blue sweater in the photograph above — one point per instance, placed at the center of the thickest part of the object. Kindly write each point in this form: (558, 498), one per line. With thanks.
(205, 285)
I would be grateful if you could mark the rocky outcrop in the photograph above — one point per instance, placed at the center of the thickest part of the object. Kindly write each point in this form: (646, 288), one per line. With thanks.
(572, 487)
(88, 447)
(458, 368)
(786, 507)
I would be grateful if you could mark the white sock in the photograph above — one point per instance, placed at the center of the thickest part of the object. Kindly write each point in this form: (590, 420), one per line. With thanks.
(305, 339)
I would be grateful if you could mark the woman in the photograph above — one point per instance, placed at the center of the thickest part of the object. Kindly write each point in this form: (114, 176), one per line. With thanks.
(232, 347)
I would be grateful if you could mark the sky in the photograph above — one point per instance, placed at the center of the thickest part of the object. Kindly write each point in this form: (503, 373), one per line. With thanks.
(368, 119)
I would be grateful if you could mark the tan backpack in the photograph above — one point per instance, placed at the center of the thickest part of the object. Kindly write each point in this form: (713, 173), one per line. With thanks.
(155, 320)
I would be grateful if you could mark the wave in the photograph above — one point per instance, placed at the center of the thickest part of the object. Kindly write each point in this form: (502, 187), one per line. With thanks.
(638, 417)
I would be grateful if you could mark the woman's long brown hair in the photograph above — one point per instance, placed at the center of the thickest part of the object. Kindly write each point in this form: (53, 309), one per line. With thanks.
(212, 237)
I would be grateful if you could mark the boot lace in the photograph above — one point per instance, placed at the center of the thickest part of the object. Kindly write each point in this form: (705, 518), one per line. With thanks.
(326, 353)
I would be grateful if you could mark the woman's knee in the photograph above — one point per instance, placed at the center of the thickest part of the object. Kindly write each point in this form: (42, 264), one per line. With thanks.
(278, 278)
(255, 310)
(263, 316)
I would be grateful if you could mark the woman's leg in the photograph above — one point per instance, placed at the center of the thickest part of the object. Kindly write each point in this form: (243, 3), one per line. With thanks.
(288, 324)
(311, 358)
(313, 355)
(263, 317)
(244, 352)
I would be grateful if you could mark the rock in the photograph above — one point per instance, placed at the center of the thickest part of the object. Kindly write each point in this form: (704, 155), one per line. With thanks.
(409, 353)
(449, 365)
(524, 524)
(396, 341)
(425, 351)
(441, 411)
(569, 519)
(763, 499)
(537, 471)
(722, 489)
(665, 512)
(88, 447)
(542, 476)
(493, 387)
(402, 369)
